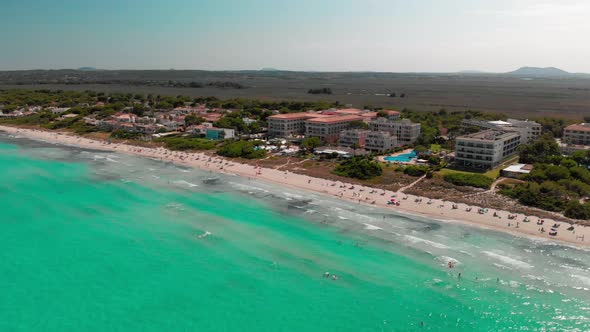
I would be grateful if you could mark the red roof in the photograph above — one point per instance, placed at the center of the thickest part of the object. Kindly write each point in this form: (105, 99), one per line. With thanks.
(391, 112)
(336, 119)
(295, 116)
(349, 111)
(580, 127)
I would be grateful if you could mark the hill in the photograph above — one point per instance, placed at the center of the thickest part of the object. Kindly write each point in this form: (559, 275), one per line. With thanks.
(539, 72)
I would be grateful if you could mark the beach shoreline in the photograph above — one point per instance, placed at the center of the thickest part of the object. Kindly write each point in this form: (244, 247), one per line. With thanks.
(440, 210)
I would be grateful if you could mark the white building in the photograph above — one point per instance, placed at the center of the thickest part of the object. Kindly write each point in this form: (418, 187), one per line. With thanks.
(528, 130)
(352, 137)
(329, 128)
(405, 130)
(485, 149)
(380, 141)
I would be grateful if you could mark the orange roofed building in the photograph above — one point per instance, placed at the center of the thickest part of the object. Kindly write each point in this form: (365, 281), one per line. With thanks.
(291, 124)
(577, 134)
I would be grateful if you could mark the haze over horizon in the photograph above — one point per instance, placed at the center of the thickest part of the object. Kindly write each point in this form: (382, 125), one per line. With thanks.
(331, 35)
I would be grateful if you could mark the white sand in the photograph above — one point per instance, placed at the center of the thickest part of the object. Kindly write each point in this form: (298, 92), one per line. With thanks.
(409, 204)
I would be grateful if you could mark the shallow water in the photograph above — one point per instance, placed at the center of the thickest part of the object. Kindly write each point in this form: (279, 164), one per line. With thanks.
(96, 241)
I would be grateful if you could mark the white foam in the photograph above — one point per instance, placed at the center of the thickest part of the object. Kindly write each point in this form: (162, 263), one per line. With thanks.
(414, 239)
(372, 227)
(508, 260)
(192, 185)
(583, 279)
(445, 260)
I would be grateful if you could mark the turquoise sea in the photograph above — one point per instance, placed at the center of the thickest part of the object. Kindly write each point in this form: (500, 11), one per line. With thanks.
(97, 241)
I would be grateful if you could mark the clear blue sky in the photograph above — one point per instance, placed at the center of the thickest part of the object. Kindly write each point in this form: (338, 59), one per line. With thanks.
(322, 35)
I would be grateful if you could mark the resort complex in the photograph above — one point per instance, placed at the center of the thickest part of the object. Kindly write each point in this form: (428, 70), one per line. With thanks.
(334, 126)
(456, 153)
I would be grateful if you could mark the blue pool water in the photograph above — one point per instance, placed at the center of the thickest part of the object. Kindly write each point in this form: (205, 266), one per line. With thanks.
(406, 157)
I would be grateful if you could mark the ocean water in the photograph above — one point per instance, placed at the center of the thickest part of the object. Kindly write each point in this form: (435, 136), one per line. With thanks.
(97, 241)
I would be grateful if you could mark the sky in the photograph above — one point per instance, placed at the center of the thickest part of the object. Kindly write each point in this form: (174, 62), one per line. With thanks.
(309, 35)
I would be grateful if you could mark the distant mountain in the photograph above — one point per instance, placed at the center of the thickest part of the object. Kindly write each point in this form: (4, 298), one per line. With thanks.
(87, 69)
(269, 69)
(539, 72)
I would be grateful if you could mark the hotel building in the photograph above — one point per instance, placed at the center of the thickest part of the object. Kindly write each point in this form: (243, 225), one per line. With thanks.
(485, 149)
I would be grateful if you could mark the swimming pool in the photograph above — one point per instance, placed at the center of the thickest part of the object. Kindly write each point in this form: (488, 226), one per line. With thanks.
(404, 158)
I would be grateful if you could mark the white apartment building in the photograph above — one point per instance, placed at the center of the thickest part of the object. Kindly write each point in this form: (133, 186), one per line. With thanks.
(405, 130)
(329, 128)
(485, 149)
(352, 137)
(380, 141)
(577, 134)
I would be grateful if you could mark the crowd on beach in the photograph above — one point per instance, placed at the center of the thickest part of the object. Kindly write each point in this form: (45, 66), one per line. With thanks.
(435, 208)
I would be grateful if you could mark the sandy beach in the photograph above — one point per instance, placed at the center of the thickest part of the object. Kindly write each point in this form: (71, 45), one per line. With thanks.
(504, 221)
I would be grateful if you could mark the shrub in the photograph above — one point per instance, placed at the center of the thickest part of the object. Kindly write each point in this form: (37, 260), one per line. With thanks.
(473, 180)
(576, 210)
(359, 168)
(415, 170)
(122, 134)
(187, 143)
(243, 149)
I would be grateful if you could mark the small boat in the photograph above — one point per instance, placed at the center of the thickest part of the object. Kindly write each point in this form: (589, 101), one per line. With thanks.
(553, 233)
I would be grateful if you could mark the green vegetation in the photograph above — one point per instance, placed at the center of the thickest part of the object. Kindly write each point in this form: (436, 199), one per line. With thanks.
(553, 125)
(435, 148)
(362, 168)
(576, 210)
(311, 143)
(556, 183)
(241, 149)
(186, 143)
(416, 171)
(469, 179)
(122, 134)
(540, 151)
(192, 119)
(42, 118)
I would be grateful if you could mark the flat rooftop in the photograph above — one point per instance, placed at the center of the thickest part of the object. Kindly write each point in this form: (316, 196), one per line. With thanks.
(490, 135)
(519, 168)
